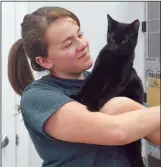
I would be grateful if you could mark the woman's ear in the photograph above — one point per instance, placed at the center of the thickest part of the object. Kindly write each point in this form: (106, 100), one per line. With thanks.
(44, 62)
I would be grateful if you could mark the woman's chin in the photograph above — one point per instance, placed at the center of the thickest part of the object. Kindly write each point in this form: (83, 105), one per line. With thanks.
(88, 64)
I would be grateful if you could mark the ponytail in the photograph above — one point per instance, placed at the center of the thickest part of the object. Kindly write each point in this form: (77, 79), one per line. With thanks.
(19, 72)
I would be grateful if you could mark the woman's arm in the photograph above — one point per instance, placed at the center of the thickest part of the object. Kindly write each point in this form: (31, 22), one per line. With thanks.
(74, 123)
(120, 105)
(154, 138)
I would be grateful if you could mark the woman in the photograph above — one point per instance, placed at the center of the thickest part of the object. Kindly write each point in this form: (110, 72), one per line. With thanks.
(63, 131)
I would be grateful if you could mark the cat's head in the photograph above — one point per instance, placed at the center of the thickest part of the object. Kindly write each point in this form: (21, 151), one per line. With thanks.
(122, 37)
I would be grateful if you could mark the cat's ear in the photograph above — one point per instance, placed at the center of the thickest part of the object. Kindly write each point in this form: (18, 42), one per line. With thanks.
(111, 22)
(109, 18)
(136, 25)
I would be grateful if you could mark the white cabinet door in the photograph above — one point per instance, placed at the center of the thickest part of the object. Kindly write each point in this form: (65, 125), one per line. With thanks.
(26, 155)
(21, 8)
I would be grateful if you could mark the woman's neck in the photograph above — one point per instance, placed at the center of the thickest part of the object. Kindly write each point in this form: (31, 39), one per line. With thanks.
(78, 76)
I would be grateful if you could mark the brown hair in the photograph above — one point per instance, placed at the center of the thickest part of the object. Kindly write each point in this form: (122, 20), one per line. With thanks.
(31, 45)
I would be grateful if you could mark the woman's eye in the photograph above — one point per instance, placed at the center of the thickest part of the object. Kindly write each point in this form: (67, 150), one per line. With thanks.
(69, 44)
(80, 35)
(66, 46)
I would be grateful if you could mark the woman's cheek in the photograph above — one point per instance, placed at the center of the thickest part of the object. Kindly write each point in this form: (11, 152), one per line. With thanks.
(70, 56)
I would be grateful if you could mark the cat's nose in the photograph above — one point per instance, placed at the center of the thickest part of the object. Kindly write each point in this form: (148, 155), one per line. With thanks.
(114, 47)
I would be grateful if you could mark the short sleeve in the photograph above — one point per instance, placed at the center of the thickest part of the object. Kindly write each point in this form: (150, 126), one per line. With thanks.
(38, 105)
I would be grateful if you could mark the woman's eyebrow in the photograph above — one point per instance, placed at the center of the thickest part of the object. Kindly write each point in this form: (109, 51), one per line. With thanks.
(69, 37)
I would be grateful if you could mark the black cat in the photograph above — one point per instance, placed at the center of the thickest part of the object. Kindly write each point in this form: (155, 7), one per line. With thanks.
(113, 75)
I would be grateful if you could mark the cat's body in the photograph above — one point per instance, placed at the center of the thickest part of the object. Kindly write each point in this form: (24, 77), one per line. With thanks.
(113, 75)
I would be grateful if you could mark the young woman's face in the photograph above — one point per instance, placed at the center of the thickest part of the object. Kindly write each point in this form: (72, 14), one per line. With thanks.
(68, 50)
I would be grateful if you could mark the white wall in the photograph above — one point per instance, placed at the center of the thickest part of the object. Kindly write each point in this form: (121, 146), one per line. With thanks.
(92, 16)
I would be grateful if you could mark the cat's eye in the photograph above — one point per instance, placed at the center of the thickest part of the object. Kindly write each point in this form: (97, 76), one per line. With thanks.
(133, 34)
(112, 39)
(125, 40)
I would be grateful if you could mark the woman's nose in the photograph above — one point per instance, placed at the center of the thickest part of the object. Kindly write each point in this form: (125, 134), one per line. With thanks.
(82, 45)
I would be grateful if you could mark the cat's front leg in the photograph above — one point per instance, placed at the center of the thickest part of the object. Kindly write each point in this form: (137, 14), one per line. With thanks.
(135, 89)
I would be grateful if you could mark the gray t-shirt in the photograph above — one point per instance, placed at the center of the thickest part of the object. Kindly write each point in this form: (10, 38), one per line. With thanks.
(38, 102)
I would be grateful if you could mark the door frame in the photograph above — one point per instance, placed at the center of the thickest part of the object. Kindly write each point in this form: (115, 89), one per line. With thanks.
(8, 156)
(1, 86)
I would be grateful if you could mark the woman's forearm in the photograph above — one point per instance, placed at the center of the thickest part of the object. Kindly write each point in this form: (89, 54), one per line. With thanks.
(154, 138)
(121, 105)
(139, 123)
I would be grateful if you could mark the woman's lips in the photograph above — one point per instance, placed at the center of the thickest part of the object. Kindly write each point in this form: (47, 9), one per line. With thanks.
(84, 54)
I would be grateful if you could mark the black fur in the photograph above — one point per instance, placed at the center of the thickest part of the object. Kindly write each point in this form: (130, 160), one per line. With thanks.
(113, 75)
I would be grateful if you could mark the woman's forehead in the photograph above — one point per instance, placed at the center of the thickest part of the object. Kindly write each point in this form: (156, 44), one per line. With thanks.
(60, 29)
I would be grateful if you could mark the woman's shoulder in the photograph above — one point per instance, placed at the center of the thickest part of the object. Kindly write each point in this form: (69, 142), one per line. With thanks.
(41, 94)
(38, 89)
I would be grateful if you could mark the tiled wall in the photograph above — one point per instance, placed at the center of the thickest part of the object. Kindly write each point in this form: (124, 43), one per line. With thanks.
(152, 35)
(152, 58)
